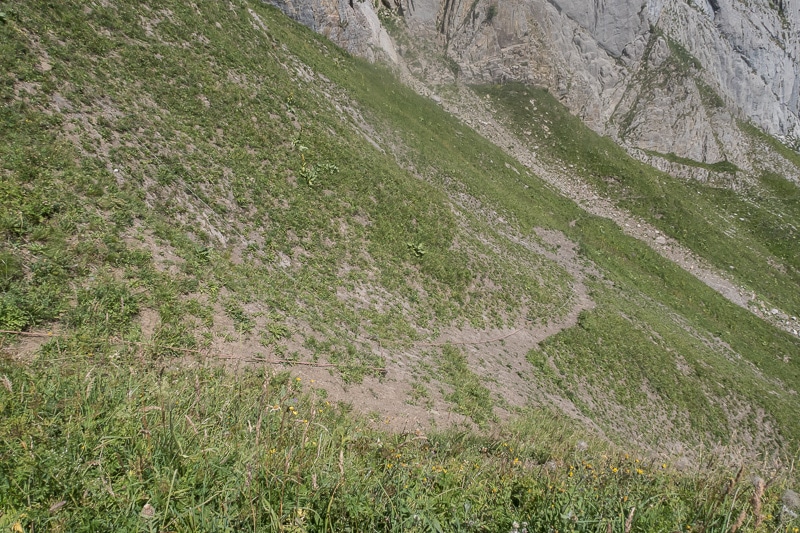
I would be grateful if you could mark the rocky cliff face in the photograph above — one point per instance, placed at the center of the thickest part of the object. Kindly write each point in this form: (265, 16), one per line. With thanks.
(668, 76)
(351, 24)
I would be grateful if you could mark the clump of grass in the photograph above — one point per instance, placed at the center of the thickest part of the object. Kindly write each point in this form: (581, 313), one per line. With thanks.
(469, 396)
(243, 322)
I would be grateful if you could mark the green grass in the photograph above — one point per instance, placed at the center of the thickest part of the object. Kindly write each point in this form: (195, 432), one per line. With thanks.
(470, 397)
(351, 229)
(321, 194)
(791, 155)
(85, 446)
(720, 166)
(169, 169)
(726, 228)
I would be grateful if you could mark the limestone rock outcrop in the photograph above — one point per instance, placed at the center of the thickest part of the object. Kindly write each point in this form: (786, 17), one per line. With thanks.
(351, 24)
(667, 76)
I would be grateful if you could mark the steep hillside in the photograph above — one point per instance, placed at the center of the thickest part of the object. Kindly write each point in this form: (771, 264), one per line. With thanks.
(187, 188)
(169, 183)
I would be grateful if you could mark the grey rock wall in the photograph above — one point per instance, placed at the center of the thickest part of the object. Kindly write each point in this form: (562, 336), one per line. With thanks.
(613, 24)
(661, 75)
(353, 25)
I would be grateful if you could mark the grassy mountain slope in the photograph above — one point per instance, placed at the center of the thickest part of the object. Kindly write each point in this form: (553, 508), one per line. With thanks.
(185, 182)
(751, 232)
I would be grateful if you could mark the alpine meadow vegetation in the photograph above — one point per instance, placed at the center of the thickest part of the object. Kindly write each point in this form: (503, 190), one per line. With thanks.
(223, 239)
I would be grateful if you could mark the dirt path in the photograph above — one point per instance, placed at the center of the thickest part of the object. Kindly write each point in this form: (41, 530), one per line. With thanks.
(500, 356)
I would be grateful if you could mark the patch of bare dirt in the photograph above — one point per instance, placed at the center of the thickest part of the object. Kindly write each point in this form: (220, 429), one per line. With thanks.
(148, 322)
(24, 346)
(499, 356)
(165, 258)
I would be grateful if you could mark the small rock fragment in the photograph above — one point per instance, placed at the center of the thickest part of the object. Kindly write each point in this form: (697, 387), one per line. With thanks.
(148, 511)
(791, 500)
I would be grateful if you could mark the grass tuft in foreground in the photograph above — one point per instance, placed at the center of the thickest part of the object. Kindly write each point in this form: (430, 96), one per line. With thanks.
(120, 444)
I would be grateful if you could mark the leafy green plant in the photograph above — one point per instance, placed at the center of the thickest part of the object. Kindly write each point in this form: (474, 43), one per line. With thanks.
(310, 175)
(328, 168)
(11, 316)
(418, 249)
(242, 321)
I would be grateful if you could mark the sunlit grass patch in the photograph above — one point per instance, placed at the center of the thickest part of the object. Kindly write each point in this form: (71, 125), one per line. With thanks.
(133, 447)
